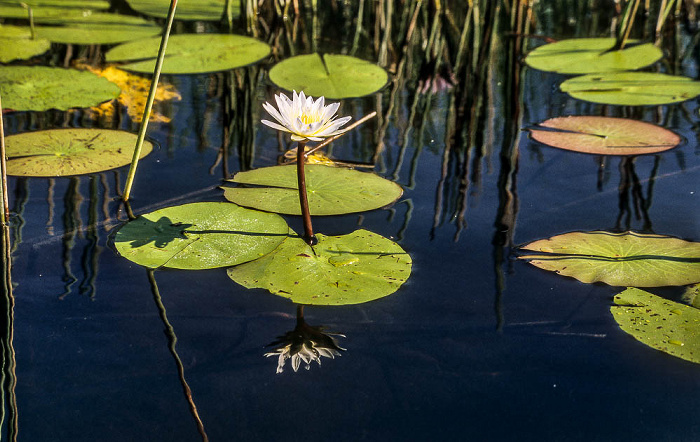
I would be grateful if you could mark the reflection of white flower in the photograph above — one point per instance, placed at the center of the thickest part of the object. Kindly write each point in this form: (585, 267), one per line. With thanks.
(305, 343)
(305, 118)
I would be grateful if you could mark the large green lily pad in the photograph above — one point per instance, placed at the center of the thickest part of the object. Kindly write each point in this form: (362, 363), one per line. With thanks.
(191, 53)
(332, 76)
(40, 88)
(591, 55)
(200, 236)
(62, 152)
(349, 269)
(605, 135)
(631, 88)
(16, 43)
(659, 323)
(206, 10)
(619, 259)
(330, 190)
(97, 28)
(49, 8)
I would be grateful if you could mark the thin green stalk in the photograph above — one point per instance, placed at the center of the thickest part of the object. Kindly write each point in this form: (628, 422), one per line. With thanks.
(30, 12)
(149, 102)
(3, 171)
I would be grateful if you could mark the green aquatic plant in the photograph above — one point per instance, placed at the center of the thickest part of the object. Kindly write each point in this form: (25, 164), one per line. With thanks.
(204, 10)
(17, 43)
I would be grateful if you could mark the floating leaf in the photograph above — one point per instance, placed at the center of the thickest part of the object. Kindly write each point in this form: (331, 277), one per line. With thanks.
(620, 259)
(40, 88)
(605, 135)
(331, 190)
(591, 55)
(692, 295)
(333, 76)
(16, 44)
(349, 269)
(191, 53)
(659, 323)
(50, 8)
(211, 10)
(62, 152)
(200, 236)
(631, 88)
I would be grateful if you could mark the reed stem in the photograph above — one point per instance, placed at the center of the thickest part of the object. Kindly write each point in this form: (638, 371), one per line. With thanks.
(3, 171)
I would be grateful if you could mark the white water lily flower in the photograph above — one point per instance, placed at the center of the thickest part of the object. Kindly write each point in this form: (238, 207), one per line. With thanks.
(305, 118)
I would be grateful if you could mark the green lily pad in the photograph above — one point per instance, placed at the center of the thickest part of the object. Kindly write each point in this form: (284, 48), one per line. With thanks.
(692, 295)
(590, 55)
(619, 259)
(39, 88)
(200, 236)
(62, 152)
(659, 323)
(333, 76)
(330, 190)
(349, 269)
(205, 10)
(49, 8)
(605, 135)
(631, 88)
(191, 53)
(16, 44)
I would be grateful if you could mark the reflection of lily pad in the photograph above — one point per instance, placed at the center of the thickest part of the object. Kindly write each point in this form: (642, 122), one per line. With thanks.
(211, 10)
(621, 259)
(631, 88)
(61, 152)
(200, 236)
(16, 44)
(659, 323)
(333, 76)
(40, 88)
(349, 269)
(589, 55)
(191, 53)
(331, 190)
(605, 135)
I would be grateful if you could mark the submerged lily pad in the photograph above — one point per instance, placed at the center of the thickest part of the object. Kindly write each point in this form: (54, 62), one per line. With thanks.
(591, 55)
(659, 323)
(349, 269)
(39, 88)
(605, 135)
(620, 259)
(207, 10)
(200, 236)
(332, 76)
(62, 152)
(331, 190)
(631, 88)
(16, 43)
(191, 53)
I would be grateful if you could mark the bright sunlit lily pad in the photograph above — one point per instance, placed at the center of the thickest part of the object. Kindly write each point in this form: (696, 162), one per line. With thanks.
(659, 323)
(62, 152)
(619, 259)
(605, 135)
(632, 88)
(191, 53)
(39, 88)
(331, 190)
(206, 10)
(590, 55)
(200, 236)
(350, 269)
(332, 76)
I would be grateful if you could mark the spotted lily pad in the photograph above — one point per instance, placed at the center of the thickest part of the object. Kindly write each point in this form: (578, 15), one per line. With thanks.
(619, 259)
(16, 43)
(61, 152)
(191, 53)
(659, 323)
(349, 269)
(331, 190)
(591, 55)
(206, 10)
(632, 88)
(200, 236)
(39, 88)
(605, 135)
(332, 76)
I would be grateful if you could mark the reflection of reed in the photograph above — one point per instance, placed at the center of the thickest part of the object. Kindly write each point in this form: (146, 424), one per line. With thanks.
(71, 226)
(8, 376)
(631, 197)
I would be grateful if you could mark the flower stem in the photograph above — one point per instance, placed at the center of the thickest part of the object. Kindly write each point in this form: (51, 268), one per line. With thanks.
(309, 236)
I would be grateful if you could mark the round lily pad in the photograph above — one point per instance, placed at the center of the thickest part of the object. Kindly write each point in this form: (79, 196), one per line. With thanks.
(632, 88)
(350, 269)
(191, 53)
(331, 76)
(49, 8)
(659, 323)
(16, 44)
(591, 55)
(330, 190)
(619, 259)
(39, 88)
(605, 135)
(205, 10)
(200, 236)
(62, 152)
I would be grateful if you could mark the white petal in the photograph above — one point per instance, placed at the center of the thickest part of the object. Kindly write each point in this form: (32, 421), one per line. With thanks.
(274, 125)
(299, 138)
(330, 110)
(296, 361)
